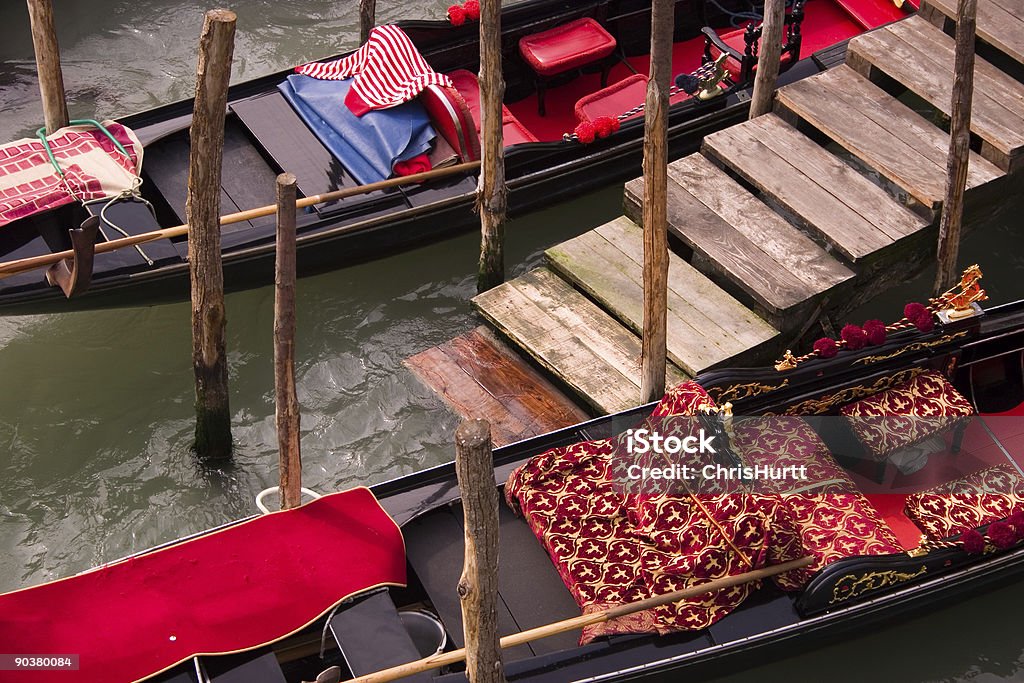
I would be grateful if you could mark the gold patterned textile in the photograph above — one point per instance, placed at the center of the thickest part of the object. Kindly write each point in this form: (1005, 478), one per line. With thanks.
(952, 508)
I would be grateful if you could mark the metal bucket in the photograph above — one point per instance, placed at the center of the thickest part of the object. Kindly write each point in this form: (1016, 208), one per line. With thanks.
(426, 630)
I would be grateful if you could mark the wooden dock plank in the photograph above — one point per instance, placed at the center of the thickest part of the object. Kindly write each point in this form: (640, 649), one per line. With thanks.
(884, 133)
(571, 337)
(920, 57)
(595, 263)
(743, 149)
(999, 23)
(480, 377)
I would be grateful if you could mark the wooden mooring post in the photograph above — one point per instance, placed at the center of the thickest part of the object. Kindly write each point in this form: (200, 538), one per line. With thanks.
(367, 18)
(51, 78)
(950, 223)
(653, 351)
(767, 73)
(286, 402)
(209, 354)
(478, 586)
(491, 198)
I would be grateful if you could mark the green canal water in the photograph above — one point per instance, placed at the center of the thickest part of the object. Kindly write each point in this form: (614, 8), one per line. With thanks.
(95, 407)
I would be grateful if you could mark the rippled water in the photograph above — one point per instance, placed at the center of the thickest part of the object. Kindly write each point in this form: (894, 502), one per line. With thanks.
(95, 413)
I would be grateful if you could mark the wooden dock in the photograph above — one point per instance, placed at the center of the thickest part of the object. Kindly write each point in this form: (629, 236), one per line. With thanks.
(779, 220)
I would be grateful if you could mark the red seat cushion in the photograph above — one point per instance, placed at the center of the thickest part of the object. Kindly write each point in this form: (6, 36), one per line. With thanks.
(734, 39)
(513, 130)
(871, 13)
(906, 413)
(566, 47)
(957, 506)
(617, 98)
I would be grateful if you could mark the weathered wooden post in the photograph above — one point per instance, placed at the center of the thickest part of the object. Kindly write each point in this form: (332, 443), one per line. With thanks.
(209, 356)
(950, 223)
(768, 58)
(478, 586)
(653, 351)
(51, 79)
(491, 192)
(286, 403)
(367, 18)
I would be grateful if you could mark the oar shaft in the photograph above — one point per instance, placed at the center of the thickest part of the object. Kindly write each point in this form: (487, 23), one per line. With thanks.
(33, 262)
(434, 661)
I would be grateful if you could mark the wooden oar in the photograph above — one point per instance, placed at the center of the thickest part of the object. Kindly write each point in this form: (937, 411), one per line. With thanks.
(434, 661)
(32, 262)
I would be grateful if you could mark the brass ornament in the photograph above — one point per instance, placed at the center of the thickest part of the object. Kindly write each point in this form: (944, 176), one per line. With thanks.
(853, 585)
(916, 346)
(738, 392)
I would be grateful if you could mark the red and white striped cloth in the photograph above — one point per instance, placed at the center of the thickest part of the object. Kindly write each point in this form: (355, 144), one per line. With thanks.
(93, 168)
(388, 71)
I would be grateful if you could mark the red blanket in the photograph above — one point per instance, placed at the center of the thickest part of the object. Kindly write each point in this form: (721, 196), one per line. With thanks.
(227, 591)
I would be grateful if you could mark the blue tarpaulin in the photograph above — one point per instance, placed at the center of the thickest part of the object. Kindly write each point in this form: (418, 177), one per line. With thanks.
(367, 146)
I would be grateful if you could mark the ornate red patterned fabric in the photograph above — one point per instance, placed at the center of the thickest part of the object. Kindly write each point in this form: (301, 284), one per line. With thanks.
(906, 413)
(980, 498)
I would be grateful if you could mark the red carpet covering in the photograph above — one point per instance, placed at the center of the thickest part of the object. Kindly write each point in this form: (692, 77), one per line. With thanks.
(227, 591)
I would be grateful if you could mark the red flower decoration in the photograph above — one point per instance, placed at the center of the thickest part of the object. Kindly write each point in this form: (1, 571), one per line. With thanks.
(456, 15)
(854, 337)
(472, 9)
(973, 542)
(875, 330)
(1001, 534)
(924, 322)
(1016, 520)
(912, 310)
(605, 126)
(826, 347)
(585, 132)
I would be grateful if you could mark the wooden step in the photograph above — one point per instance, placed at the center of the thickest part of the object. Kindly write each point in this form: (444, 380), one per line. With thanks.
(744, 242)
(920, 57)
(1000, 23)
(571, 337)
(479, 376)
(885, 134)
(830, 199)
(706, 326)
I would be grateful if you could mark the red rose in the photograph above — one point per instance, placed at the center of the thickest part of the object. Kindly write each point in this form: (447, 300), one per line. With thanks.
(472, 10)
(875, 331)
(924, 322)
(826, 347)
(456, 15)
(1016, 520)
(912, 310)
(854, 337)
(973, 542)
(1001, 534)
(585, 132)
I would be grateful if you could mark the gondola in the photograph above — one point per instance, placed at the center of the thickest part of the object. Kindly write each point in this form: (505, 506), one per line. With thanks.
(331, 590)
(546, 160)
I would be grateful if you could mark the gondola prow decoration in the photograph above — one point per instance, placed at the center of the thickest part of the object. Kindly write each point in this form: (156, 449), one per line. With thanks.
(73, 275)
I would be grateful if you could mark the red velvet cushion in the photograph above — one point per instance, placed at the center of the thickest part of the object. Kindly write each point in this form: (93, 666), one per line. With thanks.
(907, 413)
(871, 13)
(957, 506)
(513, 131)
(449, 114)
(734, 39)
(617, 98)
(566, 47)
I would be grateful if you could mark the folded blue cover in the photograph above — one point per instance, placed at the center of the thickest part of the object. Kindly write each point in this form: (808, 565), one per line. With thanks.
(367, 146)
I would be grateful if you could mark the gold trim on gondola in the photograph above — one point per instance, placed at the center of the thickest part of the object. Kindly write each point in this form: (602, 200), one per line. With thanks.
(856, 585)
(916, 346)
(817, 406)
(737, 392)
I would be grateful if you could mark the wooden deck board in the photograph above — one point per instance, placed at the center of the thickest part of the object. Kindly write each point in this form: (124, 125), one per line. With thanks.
(596, 263)
(920, 57)
(480, 377)
(571, 337)
(1000, 23)
(884, 133)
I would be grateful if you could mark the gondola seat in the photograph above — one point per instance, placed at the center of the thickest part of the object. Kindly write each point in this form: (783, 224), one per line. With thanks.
(618, 98)
(868, 13)
(742, 45)
(954, 507)
(512, 130)
(451, 117)
(563, 48)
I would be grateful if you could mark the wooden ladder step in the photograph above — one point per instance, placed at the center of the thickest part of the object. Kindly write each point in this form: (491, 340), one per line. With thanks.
(1000, 23)
(741, 240)
(706, 326)
(479, 376)
(920, 57)
(828, 197)
(571, 337)
(887, 135)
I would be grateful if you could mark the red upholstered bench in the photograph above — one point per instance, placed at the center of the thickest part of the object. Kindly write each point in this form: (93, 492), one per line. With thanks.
(980, 498)
(564, 48)
(512, 130)
(617, 98)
